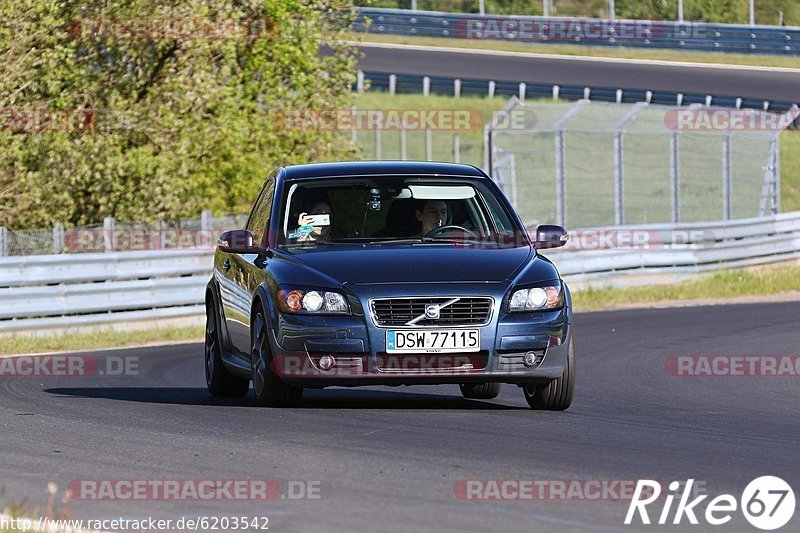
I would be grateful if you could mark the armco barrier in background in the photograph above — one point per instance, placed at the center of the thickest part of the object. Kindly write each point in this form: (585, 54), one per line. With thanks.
(638, 33)
(46, 292)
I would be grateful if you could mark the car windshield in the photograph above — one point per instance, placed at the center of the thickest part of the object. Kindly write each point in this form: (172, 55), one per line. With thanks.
(392, 209)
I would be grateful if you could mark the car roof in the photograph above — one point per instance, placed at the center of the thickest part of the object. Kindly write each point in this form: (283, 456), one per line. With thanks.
(380, 168)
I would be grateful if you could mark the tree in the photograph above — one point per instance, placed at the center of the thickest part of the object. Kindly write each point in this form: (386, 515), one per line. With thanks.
(145, 110)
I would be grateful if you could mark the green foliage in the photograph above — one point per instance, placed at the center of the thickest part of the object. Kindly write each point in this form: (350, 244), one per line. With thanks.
(179, 122)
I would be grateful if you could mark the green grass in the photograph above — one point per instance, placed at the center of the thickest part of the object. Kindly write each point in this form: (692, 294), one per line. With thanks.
(24, 344)
(720, 285)
(592, 51)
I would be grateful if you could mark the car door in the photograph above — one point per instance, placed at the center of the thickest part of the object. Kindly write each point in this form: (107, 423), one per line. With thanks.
(243, 280)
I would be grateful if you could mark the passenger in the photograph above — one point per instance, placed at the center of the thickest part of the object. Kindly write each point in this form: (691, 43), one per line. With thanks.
(319, 233)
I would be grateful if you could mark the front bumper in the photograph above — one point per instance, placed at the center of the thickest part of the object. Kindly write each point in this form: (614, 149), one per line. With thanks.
(358, 348)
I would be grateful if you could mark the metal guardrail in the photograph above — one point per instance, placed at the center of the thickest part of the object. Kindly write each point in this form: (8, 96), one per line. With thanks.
(418, 84)
(58, 291)
(743, 39)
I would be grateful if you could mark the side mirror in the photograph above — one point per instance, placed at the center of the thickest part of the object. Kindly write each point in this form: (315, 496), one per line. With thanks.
(238, 241)
(550, 236)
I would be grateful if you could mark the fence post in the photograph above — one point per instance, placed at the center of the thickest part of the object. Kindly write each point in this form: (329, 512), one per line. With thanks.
(108, 234)
(429, 144)
(3, 241)
(205, 228)
(457, 148)
(674, 176)
(403, 143)
(360, 81)
(378, 145)
(619, 216)
(58, 238)
(726, 177)
(561, 170)
(776, 173)
(619, 162)
(561, 179)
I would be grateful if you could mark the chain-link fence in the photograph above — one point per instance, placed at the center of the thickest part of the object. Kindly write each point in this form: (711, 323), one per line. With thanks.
(597, 164)
(114, 235)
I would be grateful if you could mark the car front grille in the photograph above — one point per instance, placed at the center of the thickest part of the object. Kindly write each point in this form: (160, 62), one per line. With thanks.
(464, 312)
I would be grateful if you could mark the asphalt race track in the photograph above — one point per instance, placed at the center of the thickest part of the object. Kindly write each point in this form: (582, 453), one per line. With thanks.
(628, 74)
(388, 459)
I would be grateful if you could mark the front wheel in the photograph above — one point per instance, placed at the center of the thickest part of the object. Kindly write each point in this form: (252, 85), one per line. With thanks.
(557, 394)
(219, 381)
(270, 390)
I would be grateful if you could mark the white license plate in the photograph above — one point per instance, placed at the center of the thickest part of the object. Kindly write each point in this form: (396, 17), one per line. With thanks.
(433, 341)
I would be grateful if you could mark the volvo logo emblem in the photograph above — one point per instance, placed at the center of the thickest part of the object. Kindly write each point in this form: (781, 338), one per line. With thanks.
(432, 312)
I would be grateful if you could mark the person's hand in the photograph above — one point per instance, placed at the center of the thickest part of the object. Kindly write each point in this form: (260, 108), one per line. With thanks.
(304, 219)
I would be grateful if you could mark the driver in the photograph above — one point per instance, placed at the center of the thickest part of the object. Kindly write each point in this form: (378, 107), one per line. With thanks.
(432, 214)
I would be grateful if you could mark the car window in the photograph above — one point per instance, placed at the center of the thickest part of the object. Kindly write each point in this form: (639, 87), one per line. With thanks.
(390, 208)
(259, 216)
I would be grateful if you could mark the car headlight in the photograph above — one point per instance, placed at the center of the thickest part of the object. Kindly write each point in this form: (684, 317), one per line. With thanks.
(537, 299)
(313, 302)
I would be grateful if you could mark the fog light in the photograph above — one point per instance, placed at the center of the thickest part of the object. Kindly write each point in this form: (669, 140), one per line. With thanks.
(529, 359)
(326, 362)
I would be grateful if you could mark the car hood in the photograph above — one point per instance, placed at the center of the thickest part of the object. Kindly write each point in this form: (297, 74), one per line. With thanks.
(424, 263)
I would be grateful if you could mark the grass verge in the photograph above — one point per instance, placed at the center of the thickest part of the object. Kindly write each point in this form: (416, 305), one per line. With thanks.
(22, 344)
(591, 51)
(717, 286)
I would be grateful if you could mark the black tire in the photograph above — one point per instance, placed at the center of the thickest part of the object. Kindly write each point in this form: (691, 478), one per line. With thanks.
(220, 382)
(480, 391)
(557, 394)
(270, 390)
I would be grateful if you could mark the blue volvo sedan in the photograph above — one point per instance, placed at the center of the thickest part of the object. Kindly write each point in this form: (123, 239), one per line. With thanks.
(387, 273)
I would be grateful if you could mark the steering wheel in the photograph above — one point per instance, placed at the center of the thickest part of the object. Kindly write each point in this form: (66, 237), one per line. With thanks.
(441, 229)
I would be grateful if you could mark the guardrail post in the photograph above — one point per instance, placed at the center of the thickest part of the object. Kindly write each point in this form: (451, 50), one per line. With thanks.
(426, 86)
(491, 88)
(108, 234)
(457, 88)
(3, 241)
(392, 83)
(674, 176)
(58, 238)
(726, 177)
(522, 87)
